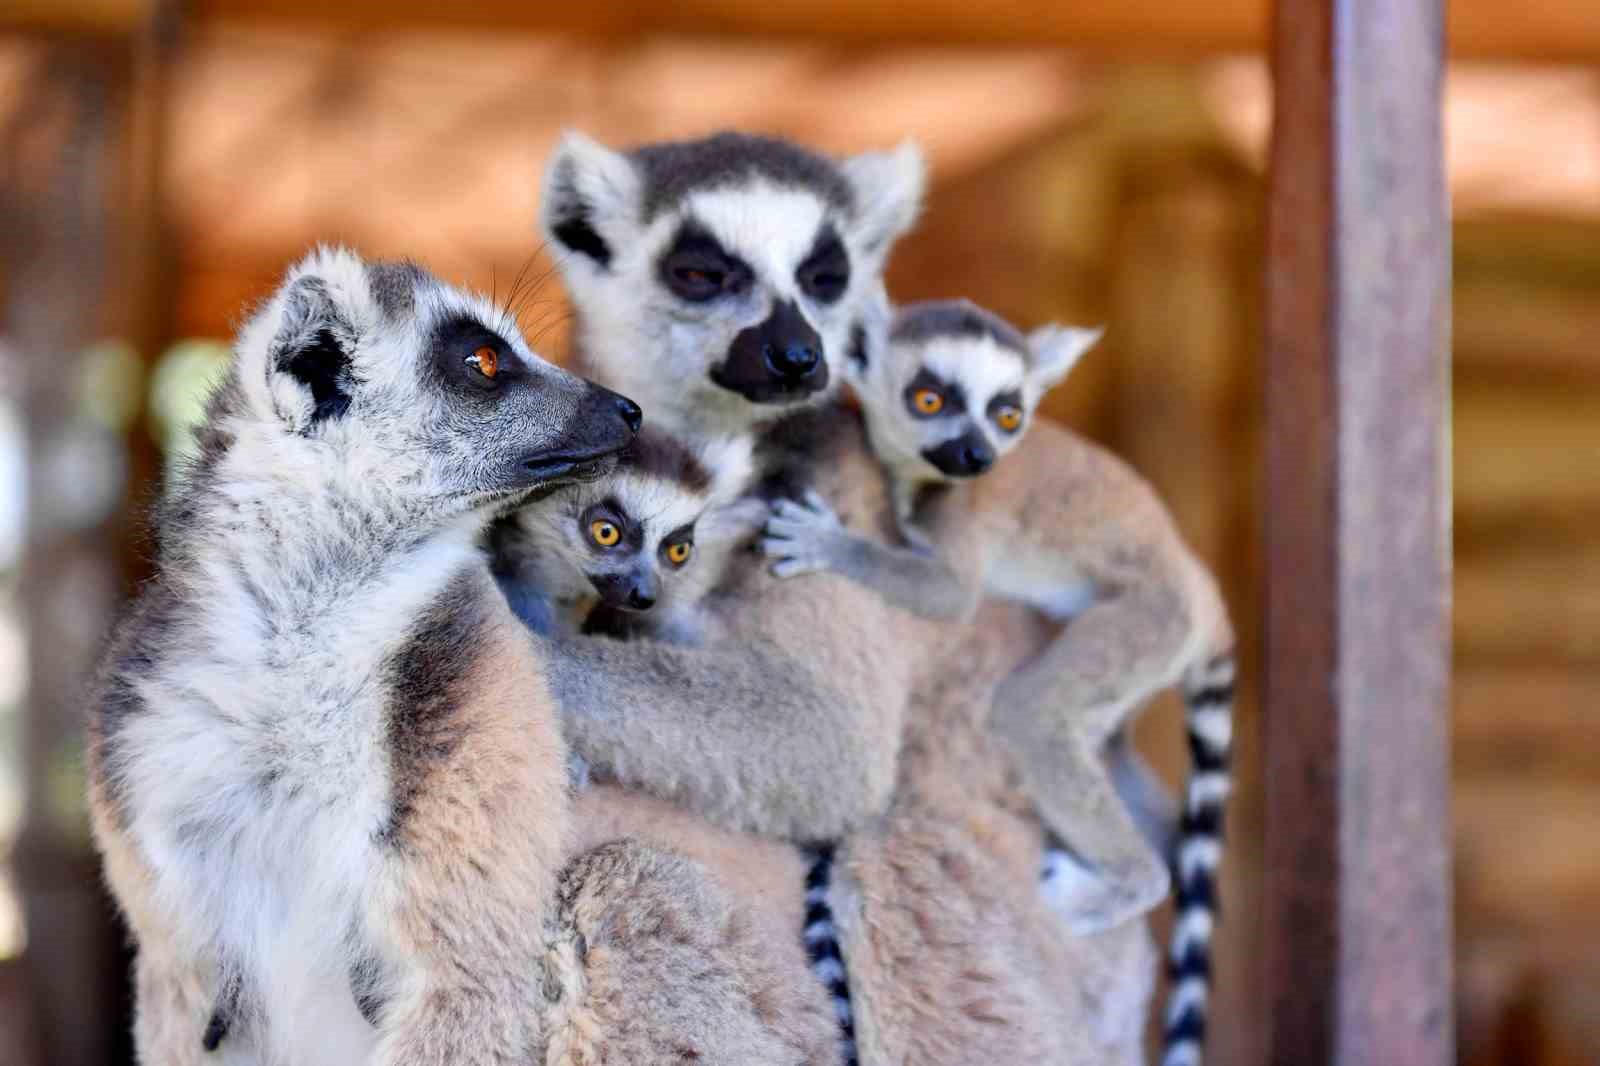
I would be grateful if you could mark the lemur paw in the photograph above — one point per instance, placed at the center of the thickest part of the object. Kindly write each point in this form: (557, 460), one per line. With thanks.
(801, 538)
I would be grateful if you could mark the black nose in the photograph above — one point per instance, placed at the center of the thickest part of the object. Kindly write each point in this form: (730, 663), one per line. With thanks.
(794, 360)
(631, 415)
(977, 459)
(965, 456)
(791, 348)
(640, 600)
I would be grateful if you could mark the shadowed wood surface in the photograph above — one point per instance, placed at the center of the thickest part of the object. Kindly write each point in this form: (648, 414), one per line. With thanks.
(1534, 29)
(1357, 897)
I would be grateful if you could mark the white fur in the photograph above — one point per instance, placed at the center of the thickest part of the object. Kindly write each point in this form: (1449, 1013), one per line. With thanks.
(625, 311)
(256, 776)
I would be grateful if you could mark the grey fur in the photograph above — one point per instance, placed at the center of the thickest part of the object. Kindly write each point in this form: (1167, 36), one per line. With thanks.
(671, 170)
(919, 323)
(295, 743)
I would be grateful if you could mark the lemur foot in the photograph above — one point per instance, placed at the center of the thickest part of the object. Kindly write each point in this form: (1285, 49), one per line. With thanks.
(803, 538)
(1089, 903)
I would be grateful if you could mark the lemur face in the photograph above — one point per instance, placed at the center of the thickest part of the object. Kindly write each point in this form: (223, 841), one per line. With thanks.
(388, 374)
(721, 276)
(629, 536)
(955, 387)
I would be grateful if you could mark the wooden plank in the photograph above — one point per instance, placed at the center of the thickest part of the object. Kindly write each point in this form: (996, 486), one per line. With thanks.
(1535, 29)
(95, 17)
(1549, 30)
(1537, 605)
(1525, 460)
(1357, 542)
(1537, 722)
(56, 242)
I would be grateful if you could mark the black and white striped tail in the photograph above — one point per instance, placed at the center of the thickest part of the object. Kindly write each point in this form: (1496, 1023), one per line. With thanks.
(1208, 695)
(822, 944)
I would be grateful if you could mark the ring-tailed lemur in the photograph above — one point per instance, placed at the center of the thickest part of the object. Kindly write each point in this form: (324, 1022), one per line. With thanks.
(723, 275)
(633, 552)
(955, 388)
(322, 752)
(726, 277)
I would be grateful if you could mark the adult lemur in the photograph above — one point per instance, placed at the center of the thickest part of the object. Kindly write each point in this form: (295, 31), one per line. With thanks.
(1080, 537)
(725, 278)
(321, 753)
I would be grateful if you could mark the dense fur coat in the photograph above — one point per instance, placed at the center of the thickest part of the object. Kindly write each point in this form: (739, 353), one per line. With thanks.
(325, 771)
(708, 278)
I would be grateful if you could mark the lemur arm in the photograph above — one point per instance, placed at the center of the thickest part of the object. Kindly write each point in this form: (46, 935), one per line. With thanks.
(808, 537)
(789, 726)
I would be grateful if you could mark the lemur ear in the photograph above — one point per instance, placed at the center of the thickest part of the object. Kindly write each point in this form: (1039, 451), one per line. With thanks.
(888, 190)
(1056, 349)
(588, 191)
(313, 325)
(870, 334)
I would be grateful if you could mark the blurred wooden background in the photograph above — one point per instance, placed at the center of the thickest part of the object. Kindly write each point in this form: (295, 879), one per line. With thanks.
(155, 179)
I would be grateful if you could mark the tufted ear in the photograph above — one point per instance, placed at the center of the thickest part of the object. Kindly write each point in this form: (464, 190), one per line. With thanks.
(888, 191)
(869, 336)
(1056, 349)
(304, 340)
(591, 196)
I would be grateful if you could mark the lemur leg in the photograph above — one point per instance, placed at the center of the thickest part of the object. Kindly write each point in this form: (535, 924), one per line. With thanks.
(1057, 712)
(633, 921)
(468, 870)
(1151, 803)
(173, 1005)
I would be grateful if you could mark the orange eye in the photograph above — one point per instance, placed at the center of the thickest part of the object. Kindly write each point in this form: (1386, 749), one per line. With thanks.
(485, 361)
(678, 553)
(927, 402)
(1008, 418)
(604, 533)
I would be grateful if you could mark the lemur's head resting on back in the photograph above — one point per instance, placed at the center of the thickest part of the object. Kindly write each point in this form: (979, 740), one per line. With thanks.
(948, 388)
(718, 280)
(630, 536)
(382, 378)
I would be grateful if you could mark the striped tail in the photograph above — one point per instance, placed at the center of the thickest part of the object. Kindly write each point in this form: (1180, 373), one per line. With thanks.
(1208, 694)
(822, 944)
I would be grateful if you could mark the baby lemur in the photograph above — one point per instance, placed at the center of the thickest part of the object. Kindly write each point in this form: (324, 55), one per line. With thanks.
(634, 551)
(1068, 529)
(323, 756)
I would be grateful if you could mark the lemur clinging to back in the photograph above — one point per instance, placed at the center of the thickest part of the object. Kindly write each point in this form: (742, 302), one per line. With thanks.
(1070, 530)
(691, 268)
(322, 753)
(631, 552)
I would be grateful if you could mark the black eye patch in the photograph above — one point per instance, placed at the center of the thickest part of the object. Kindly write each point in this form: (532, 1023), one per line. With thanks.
(611, 510)
(456, 339)
(955, 398)
(1009, 398)
(696, 268)
(825, 273)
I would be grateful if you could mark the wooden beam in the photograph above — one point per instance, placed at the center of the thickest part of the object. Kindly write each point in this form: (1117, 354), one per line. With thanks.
(1534, 29)
(1357, 902)
(92, 17)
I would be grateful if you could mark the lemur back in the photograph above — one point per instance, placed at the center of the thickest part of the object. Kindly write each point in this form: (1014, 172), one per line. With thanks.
(631, 553)
(325, 771)
(1069, 530)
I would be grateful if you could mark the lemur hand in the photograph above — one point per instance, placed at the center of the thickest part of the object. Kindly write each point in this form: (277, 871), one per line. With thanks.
(803, 538)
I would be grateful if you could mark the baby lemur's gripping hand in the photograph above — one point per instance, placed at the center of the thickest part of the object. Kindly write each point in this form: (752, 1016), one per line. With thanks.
(803, 538)
(807, 537)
